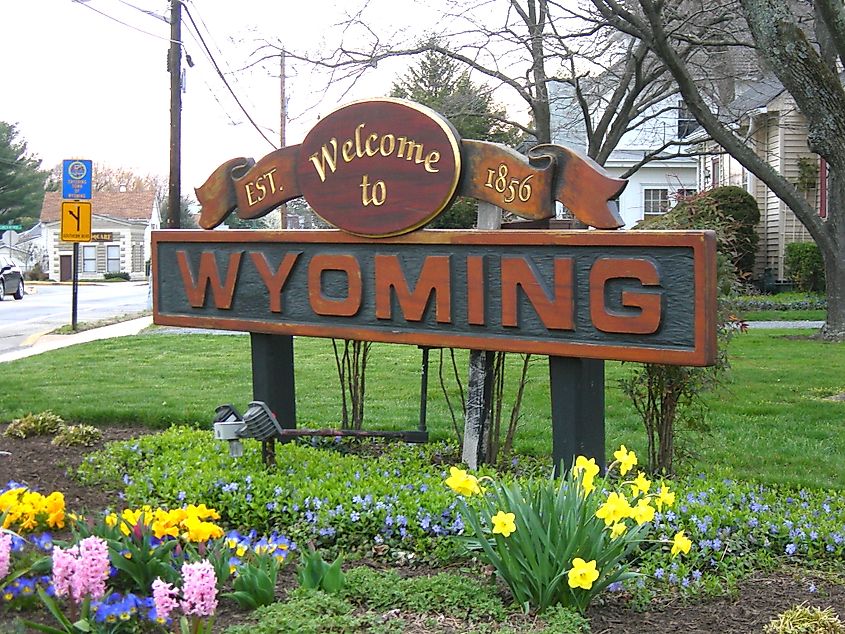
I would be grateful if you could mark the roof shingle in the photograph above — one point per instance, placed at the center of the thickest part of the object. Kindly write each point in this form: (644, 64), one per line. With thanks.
(120, 205)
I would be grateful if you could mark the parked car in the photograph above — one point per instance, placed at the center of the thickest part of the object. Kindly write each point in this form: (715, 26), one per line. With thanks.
(11, 279)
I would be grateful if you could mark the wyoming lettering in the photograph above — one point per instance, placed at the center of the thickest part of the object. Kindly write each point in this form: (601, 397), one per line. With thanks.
(627, 296)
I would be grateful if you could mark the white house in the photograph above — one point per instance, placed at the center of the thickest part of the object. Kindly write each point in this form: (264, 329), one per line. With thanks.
(655, 186)
(120, 236)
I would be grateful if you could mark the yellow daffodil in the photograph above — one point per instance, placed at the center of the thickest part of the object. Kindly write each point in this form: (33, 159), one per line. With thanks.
(462, 482)
(640, 485)
(627, 459)
(503, 523)
(588, 470)
(665, 497)
(680, 544)
(616, 508)
(643, 512)
(618, 529)
(582, 574)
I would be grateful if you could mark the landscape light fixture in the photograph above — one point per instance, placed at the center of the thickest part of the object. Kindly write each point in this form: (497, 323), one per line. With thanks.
(258, 422)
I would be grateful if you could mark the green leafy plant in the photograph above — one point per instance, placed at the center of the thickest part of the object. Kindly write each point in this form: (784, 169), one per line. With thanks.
(457, 595)
(255, 582)
(316, 574)
(313, 611)
(805, 620)
(77, 435)
(561, 541)
(41, 424)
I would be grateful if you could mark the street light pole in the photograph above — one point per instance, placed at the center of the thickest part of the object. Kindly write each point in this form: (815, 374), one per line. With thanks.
(174, 65)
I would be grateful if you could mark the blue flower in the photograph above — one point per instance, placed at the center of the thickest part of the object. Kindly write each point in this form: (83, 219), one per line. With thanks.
(790, 549)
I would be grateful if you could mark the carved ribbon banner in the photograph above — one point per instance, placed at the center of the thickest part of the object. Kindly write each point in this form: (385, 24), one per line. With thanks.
(386, 167)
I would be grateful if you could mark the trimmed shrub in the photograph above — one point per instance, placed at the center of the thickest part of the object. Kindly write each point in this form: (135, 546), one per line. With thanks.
(738, 204)
(730, 211)
(122, 275)
(804, 266)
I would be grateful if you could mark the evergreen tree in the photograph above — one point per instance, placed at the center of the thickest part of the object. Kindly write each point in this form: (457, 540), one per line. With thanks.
(21, 180)
(443, 85)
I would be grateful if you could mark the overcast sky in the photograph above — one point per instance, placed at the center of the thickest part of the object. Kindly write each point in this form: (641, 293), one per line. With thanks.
(80, 84)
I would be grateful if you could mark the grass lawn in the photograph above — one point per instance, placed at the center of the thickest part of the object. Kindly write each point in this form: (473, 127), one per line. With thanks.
(771, 422)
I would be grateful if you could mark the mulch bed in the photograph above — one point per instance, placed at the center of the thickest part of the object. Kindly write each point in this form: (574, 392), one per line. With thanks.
(759, 599)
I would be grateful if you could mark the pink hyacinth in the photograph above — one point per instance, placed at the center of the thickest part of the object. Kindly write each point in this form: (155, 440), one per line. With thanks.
(164, 599)
(5, 554)
(81, 570)
(199, 589)
(92, 569)
(64, 569)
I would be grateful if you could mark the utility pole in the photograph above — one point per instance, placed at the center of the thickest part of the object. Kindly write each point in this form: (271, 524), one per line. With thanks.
(283, 208)
(174, 65)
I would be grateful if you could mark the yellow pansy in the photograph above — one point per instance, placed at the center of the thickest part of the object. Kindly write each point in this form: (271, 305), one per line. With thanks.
(198, 531)
(503, 523)
(627, 459)
(616, 508)
(582, 574)
(680, 544)
(462, 482)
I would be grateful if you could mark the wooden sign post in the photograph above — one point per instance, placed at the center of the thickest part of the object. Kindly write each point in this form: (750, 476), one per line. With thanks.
(381, 170)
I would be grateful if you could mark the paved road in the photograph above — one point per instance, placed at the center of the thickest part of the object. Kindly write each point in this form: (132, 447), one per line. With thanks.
(47, 307)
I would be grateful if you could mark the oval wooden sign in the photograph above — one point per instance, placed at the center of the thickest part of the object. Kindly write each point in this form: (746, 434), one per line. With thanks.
(380, 167)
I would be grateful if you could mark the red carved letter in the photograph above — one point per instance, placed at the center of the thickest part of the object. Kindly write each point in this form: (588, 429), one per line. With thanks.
(274, 282)
(207, 275)
(433, 278)
(554, 309)
(643, 322)
(323, 305)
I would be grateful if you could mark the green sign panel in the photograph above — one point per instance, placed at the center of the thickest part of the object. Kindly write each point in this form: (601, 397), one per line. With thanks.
(11, 227)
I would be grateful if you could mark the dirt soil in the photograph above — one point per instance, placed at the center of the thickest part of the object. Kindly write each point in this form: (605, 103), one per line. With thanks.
(45, 468)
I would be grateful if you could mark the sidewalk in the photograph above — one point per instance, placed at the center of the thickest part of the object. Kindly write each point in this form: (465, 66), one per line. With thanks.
(785, 324)
(46, 343)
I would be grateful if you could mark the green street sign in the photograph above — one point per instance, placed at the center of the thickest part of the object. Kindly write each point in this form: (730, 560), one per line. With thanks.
(11, 227)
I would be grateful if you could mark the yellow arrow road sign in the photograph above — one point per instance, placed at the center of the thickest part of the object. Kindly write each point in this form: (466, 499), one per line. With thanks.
(76, 221)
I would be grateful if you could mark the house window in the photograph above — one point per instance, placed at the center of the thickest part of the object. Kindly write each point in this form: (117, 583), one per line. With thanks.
(686, 122)
(655, 202)
(682, 194)
(113, 258)
(89, 258)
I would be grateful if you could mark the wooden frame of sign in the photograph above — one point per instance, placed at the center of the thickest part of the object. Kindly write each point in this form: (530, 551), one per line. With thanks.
(380, 171)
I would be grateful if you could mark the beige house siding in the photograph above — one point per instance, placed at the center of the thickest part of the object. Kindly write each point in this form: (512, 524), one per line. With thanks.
(780, 137)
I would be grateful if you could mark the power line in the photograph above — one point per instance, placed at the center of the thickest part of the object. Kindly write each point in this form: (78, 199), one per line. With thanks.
(223, 78)
(144, 11)
(126, 24)
(231, 73)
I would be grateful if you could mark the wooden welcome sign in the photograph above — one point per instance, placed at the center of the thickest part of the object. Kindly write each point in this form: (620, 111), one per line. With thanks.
(378, 171)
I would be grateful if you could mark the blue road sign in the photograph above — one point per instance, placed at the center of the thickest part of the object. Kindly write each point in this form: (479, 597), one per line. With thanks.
(76, 179)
